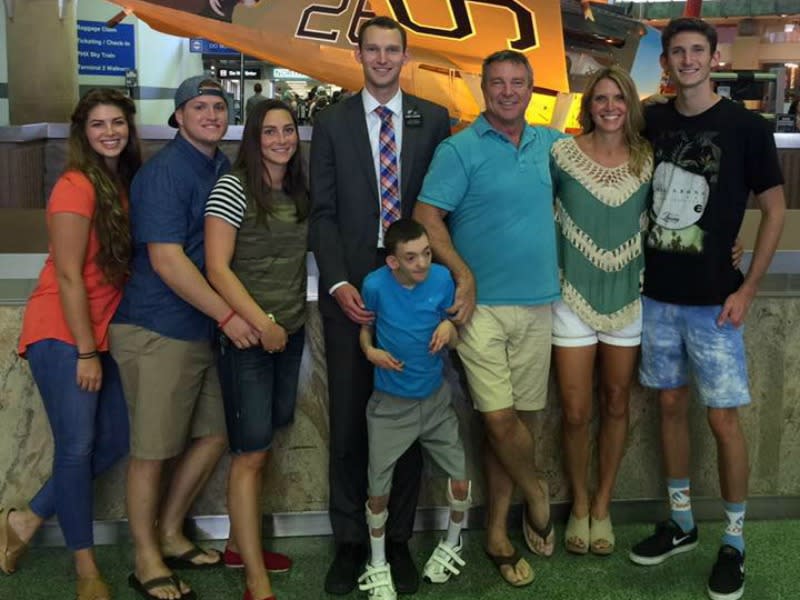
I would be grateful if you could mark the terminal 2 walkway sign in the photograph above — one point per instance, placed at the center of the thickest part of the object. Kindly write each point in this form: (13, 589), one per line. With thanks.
(105, 51)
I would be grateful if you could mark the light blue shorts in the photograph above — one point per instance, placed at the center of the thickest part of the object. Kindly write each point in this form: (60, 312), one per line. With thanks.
(679, 341)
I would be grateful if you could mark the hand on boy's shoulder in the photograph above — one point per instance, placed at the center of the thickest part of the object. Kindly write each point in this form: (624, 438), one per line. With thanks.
(445, 334)
(352, 305)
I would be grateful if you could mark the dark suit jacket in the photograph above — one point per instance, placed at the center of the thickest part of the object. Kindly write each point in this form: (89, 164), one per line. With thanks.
(345, 205)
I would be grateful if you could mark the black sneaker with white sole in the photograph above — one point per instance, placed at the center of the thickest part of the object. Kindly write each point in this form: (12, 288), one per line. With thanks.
(727, 577)
(668, 540)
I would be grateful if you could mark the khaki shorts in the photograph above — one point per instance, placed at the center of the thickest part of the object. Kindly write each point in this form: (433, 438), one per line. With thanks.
(394, 423)
(172, 390)
(506, 355)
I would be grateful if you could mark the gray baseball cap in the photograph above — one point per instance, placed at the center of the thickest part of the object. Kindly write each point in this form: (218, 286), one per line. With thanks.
(190, 88)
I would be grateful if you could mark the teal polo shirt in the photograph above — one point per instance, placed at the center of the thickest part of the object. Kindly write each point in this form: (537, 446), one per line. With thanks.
(500, 203)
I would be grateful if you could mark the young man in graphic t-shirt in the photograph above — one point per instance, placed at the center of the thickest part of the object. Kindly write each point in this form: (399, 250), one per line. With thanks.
(710, 154)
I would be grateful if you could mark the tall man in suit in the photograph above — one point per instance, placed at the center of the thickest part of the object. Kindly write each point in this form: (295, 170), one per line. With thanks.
(354, 198)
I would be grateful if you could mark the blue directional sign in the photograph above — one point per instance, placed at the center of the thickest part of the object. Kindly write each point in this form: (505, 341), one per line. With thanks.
(105, 50)
(202, 45)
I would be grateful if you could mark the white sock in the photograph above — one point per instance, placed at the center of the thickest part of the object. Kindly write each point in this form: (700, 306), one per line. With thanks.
(454, 532)
(377, 547)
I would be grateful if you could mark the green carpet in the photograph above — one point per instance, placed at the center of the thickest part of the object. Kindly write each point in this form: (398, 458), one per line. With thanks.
(773, 571)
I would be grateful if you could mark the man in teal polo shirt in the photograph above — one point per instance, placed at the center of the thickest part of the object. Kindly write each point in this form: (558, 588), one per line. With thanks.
(492, 183)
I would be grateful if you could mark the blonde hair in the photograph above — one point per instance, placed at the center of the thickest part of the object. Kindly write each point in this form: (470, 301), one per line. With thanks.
(640, 150)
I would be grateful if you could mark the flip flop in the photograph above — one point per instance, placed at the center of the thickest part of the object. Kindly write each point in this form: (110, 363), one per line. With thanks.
(11, 547)
(601, 537)
(512, 561)
(529, 528)
(185, 561)
(143, 588)
(576, 536)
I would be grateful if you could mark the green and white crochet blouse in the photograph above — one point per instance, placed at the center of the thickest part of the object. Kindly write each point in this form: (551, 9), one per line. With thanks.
(600, 213)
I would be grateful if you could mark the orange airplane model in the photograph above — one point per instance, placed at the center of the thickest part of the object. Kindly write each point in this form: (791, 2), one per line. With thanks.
(565, 40)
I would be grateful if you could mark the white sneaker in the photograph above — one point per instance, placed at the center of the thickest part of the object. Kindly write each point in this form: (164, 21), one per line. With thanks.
(442, 563)
(377, 582)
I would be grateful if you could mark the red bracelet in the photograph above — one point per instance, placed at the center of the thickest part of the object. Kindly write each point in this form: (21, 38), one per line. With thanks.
(224, 321)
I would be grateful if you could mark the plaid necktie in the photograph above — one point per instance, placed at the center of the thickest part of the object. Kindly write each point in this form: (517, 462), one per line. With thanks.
(390, 191)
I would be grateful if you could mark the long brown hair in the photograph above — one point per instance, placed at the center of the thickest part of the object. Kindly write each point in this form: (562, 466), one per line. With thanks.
(640, 150)
(249, 165)
(111, 221)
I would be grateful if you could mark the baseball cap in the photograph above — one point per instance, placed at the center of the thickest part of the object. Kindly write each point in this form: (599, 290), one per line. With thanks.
(190, 88)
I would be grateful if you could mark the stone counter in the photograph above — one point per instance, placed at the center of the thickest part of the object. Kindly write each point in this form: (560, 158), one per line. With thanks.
(32, 157)
(296, 481)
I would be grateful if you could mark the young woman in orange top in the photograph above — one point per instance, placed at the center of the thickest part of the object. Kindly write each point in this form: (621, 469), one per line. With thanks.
(65, 330)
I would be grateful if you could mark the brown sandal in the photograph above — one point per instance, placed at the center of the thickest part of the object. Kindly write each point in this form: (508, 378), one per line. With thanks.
(11, 547)
(92, 588)
(530, 529)
(511, 561)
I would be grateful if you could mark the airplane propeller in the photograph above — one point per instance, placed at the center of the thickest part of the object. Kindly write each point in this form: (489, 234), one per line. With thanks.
(587, 10)
(118, 18)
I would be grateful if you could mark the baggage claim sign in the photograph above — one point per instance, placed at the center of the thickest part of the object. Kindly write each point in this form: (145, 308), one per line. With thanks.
(104, 50)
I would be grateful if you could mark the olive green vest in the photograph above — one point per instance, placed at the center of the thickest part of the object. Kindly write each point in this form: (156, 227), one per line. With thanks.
(270, 260)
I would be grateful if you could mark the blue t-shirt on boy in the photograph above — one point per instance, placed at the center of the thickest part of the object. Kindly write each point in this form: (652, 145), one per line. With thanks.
(405, 319)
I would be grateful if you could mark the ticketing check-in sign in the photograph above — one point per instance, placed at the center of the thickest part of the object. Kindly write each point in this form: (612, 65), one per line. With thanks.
(102, 50)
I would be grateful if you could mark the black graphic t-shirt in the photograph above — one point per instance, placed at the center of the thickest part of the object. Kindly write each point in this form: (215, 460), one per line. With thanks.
(705, 168)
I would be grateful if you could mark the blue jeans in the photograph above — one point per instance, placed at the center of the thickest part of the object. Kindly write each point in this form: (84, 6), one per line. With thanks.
(259, 391)
(90, 434)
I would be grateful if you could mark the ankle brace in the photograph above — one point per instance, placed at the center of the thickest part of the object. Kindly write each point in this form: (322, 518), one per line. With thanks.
(457, 505)
(376, 521)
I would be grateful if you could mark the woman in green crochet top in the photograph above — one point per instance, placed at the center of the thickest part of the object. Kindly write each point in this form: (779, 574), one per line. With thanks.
(601, 182)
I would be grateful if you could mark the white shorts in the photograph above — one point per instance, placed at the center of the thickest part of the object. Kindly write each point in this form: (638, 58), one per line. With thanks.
(570, 331)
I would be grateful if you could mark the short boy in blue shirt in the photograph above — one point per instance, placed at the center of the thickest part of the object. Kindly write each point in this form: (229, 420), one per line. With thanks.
(411, 399)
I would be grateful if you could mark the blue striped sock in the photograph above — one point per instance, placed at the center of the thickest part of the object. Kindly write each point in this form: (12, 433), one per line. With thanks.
(734, 511)
(680, 503)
